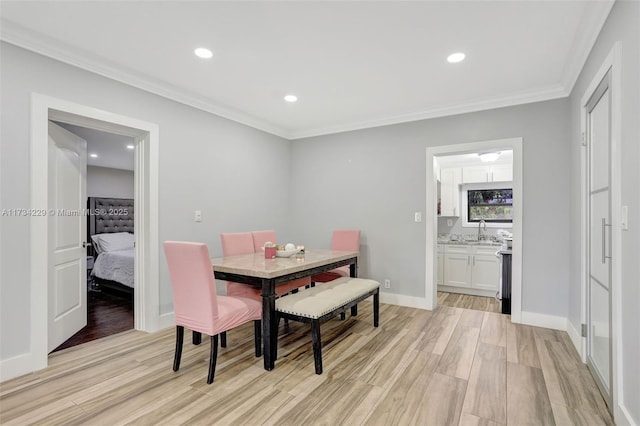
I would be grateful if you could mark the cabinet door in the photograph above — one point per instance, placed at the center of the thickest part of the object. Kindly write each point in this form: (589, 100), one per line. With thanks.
(450, 191)
(475, 174)
(457, 270)
(485, 274)
(502, 173)
(440, 266)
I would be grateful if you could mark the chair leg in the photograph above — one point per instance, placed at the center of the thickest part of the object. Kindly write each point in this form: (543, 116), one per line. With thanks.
(178, 354)
(257, 336)
(196, 337)
(342, 316)
(376, 308)
(317, 345)
(212, 358)
(223, 339)
(354, 310)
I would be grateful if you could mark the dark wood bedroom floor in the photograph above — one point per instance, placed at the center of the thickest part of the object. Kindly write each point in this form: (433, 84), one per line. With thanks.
(107, 313)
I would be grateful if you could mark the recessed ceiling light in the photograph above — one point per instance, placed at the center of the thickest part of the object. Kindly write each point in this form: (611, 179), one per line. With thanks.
(93, 155)
(203, 53)
(291, 98)
(130, 147)
(456, 57)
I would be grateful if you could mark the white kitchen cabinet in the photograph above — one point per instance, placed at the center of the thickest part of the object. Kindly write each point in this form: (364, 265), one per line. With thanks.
(485, 268)
(471, 266)
(450, 179)
(440, 264)
(481, 174)
(457, 266)
(501, 173)
(476, 174)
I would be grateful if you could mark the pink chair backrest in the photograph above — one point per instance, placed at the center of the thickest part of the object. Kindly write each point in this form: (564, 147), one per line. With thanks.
(346, 239)
(235, 243)
(194, 289)
(261, 237)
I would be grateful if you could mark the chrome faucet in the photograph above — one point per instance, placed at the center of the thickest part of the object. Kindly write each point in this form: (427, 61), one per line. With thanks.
(481, 224)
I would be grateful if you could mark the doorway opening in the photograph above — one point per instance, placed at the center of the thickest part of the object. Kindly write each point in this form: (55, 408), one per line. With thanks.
(146, 299)
(110, 183)
(431, 217)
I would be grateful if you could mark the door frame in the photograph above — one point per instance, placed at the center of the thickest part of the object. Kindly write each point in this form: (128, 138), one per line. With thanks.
(431, 218)
(613, 63)
(146, 296)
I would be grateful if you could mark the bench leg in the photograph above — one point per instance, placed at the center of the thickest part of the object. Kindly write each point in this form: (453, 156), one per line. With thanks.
(342, 316)
(376, 307)
(178, 353)
(196, 337)
(223, 339)
(354, 310)
(317, 345)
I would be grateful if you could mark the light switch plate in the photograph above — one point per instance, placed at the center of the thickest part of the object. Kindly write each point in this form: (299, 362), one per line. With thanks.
(417, 216)
(198, 216)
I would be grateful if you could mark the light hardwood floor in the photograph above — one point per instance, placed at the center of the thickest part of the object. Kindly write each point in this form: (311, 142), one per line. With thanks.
(477, 303)
(452, 366)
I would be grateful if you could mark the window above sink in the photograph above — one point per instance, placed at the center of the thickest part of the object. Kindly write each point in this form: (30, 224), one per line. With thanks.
(491, 202)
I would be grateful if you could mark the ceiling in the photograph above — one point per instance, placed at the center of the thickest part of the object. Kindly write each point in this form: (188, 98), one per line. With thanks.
(352, 64)
(111, 149)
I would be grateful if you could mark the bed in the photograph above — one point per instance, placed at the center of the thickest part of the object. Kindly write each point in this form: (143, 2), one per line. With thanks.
(110, 228)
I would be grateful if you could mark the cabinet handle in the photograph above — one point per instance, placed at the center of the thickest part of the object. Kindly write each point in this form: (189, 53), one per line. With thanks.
(474, 260)
(468, 260)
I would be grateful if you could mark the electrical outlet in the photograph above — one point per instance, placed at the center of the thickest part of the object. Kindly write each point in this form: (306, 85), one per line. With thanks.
(387, 283)
(449, 222)
(198, 216)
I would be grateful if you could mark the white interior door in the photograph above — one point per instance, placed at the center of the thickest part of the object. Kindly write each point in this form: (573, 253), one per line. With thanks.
(599, 343)
(67, 273)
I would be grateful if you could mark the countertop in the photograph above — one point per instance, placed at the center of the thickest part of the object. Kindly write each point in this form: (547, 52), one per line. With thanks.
(473, 243)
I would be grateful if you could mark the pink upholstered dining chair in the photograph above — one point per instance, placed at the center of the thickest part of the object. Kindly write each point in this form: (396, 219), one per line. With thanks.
(236, 243)
(196, 304)
(261, 237)
(345, 240)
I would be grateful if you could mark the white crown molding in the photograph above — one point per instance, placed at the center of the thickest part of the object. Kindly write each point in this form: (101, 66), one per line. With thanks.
(592, 21)
(519, 98)
(29, 40)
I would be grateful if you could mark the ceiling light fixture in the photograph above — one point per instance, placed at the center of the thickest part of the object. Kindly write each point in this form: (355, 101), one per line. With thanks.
(489, 156)
(130, 147)
(203, 53)
(93, 155)
(454, 58)
(291, 98)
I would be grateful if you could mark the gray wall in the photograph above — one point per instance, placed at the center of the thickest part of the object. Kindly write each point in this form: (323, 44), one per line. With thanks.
(206, 163)
(374, 180)
(108, 182)
(622, 25)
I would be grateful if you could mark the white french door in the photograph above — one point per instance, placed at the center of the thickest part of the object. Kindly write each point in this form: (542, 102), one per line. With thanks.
(599, 300)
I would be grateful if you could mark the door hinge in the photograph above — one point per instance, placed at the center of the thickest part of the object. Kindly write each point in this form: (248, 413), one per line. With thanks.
(583, 139)
(583, 330)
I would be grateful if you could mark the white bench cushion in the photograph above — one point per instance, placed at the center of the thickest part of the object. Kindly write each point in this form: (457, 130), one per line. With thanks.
(322, 299)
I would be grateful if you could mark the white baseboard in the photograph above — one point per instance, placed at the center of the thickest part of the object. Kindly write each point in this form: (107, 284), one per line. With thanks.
(623, 416)
(576, 339)
(165, 321)
(544, 320)
(402, 300)
(17, 366)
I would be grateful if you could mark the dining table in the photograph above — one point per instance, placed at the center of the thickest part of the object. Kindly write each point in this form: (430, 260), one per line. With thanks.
(257, 271)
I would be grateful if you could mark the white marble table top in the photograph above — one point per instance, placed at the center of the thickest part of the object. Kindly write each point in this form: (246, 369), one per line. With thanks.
(255, 265)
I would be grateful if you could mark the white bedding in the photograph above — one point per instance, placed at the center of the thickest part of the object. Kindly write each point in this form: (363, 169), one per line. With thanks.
(115, 266)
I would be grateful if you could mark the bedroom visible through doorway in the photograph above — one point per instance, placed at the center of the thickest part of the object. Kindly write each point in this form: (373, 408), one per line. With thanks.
(110, 234)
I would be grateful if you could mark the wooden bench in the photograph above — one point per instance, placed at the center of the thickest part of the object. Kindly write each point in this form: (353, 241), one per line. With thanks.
(321, 303)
